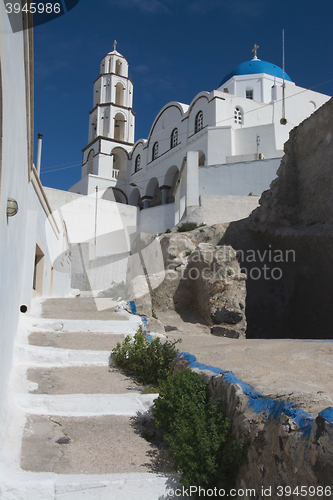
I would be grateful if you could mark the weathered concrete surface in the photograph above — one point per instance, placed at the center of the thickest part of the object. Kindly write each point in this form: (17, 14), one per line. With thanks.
(293, 370)
(78, 308)
(98, 445)
(279, 395)
(80, 380)
(76, 340)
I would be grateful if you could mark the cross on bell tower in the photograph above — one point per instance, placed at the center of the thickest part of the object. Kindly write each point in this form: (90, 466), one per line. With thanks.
(115, 45)
(255, 48)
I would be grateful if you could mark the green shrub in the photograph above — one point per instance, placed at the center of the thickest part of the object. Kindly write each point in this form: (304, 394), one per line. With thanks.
(187, 226)
(203, 449)
(168, 230)
(149, 361)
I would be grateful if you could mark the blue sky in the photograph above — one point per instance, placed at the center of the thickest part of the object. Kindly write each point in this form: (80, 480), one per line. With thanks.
(175, 49)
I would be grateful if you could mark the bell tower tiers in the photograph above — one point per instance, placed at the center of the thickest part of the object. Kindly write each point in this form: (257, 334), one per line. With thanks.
(111, 123)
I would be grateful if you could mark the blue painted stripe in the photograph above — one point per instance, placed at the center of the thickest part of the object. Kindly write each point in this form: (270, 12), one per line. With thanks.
(259, 403)
(132, 306)
(149, 337)
(327, 414)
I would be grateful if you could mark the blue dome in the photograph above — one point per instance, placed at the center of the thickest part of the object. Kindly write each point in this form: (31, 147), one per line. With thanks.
(256, 66)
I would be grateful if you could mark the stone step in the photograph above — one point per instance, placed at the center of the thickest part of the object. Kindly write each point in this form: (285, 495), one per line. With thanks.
(86, 405)
(99, 445)
(111, 327)
(78, 308)
(76, 340)
(50, 357)
(80, 380)
(125, 486)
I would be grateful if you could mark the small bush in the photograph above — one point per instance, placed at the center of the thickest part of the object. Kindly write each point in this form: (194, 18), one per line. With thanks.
(187, 226)
(168, 230)
(149, 361)
(153, 314)
(203, 449)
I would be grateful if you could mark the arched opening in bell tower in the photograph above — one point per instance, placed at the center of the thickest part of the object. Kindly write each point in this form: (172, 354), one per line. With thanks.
(90, 162)
(106, 124)
(119, 127)
(119, 94)
(119, 163)
(118, 67)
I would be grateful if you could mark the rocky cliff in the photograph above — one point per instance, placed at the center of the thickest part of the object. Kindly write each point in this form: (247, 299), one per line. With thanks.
(289, 238)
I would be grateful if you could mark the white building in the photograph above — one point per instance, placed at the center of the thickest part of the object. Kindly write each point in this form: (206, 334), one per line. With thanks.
(238, 132)
(34, 253)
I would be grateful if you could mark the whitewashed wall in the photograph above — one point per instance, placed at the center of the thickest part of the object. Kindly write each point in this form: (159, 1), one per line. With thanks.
(100, 241)
(156, 220)
(20, 233)
(14, 181)
(238, 179)
(219, 209)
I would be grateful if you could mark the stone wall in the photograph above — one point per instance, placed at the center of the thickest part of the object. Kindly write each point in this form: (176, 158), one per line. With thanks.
(288, 447)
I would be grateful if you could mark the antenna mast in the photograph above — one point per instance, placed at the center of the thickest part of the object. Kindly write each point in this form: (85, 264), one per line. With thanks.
(283, 120)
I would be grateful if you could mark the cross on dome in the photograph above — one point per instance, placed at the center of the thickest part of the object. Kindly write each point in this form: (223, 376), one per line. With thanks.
(255, 48)
(115, 45)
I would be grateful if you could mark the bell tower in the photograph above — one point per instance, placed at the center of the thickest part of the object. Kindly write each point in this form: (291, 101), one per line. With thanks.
(111, 122)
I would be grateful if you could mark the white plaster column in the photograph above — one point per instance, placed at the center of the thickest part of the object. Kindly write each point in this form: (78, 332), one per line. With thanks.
(146, 201)
(165, 193)
(192, 180)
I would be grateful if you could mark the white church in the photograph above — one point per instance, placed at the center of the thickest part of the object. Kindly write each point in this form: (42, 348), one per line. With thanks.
(225, 143)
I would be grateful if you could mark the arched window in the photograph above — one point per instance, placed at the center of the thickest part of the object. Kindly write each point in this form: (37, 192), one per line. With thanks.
(174, 138)
(238, 116)
(155, 151)
(137, 163)
(198, 122)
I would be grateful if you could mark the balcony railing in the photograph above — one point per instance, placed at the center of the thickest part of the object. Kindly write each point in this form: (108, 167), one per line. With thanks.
(115, 174)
